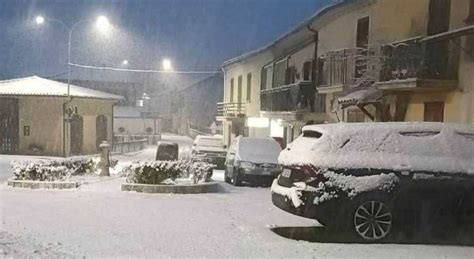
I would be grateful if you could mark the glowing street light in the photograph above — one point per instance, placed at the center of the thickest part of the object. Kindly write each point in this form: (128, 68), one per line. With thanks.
(125, 62)
(103, 24)
(167, 65)
(39, 20)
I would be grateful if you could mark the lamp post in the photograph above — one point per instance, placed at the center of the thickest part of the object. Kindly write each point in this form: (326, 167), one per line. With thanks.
(102, 25)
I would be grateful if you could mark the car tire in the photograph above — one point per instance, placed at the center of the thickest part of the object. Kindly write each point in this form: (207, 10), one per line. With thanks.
(236, 178)
(349, 226)
(372, 218)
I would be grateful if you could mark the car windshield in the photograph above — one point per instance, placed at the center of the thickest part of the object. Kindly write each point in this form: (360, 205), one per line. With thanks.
(236, 128)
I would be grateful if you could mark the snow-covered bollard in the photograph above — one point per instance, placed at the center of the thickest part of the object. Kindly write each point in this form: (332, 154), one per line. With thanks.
(104, 158)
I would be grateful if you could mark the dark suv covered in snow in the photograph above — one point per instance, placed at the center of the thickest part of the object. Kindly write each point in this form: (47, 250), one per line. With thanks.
(380, 180)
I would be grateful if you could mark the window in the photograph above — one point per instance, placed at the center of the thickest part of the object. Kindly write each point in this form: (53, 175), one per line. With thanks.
(470, 18)
(434, 112)
(239, 89)
(439, 15)
(307, 68)
(249, 87)
(362, 42)
(363, 32)
(355, 116)
(231, 90)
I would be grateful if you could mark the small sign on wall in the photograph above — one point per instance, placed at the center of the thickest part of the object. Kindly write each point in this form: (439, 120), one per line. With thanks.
(26, 130)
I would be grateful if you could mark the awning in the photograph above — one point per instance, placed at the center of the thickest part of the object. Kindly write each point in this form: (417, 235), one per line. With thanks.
(466, 30)
(361, 97)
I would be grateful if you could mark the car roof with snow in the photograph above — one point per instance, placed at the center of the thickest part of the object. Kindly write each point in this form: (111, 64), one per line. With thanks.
(435, 147)
(257, 150)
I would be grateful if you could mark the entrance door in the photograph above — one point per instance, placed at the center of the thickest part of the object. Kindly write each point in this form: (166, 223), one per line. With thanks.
(100, 130)
(77, 135)
(9, 128)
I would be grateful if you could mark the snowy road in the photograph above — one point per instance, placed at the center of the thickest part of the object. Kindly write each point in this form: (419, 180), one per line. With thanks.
(99, 220)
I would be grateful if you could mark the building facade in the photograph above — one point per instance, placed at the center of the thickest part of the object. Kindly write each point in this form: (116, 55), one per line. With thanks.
(370, 60)
(38, 118)
(240, 110)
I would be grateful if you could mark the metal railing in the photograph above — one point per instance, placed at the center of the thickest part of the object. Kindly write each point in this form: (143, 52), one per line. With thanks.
(129, 146)
(341, 67)
(298, 97)
(412, 59)
(230, 109)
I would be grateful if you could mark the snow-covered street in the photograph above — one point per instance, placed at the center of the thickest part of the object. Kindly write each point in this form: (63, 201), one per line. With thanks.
(99, 220)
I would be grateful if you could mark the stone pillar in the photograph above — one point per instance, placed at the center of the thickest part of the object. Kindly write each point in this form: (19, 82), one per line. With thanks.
(104, 158)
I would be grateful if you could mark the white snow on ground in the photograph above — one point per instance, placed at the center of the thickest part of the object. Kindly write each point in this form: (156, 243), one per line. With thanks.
(98, 220)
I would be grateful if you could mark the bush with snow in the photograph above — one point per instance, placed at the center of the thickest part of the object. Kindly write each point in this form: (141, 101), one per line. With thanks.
(166, 172)
(56, 170)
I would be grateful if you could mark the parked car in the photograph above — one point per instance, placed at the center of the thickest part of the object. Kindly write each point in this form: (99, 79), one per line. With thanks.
(210, 149)
(167, 151)
(252, 160)
(381, 180)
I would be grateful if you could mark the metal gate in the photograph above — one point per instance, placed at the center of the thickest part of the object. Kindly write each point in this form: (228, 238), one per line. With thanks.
(9, 126)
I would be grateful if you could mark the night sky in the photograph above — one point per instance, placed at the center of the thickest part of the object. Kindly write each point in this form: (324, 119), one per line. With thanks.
(194, 34)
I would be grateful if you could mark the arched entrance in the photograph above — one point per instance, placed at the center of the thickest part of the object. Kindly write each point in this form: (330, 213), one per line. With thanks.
(100, 129)
(77, 135)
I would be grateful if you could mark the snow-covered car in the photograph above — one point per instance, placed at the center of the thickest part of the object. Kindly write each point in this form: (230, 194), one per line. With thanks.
(380, 180)
(210, 149)
(252, 160)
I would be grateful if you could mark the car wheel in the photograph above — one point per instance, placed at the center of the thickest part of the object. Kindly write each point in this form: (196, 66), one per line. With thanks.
(236, 178)
(372, 220)
(227, 178)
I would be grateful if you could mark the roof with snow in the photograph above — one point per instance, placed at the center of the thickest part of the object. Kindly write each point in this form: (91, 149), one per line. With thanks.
(37, 86)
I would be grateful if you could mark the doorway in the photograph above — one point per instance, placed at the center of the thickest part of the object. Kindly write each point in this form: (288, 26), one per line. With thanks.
(77, 135)
(9, 126)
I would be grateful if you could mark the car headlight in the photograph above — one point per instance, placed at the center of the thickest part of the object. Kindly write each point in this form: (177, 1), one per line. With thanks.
(247, 165)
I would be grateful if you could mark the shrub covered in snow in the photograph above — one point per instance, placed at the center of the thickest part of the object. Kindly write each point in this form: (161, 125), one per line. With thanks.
(56, 170)
(165, 172)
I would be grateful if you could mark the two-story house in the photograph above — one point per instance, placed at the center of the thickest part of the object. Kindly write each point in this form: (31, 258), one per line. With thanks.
(370, 60)
(240, 110)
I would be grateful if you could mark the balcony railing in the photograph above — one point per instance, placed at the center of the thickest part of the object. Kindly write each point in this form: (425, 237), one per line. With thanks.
(425, 61)
(341, 67)
(230, 110)
(408, 59)
(299, 97)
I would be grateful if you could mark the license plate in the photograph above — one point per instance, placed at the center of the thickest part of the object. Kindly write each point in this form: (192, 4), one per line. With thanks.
(286, 173)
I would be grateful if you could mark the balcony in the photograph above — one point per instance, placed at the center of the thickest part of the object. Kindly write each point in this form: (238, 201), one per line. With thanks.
(412, 65)
(298, 98)
(230, 111)
(340, 68)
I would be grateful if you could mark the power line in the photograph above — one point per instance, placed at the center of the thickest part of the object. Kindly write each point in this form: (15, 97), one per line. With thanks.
(143, 70)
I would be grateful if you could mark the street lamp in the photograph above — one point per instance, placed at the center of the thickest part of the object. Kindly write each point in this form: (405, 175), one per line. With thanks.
(167, 65)
(125, 62)
(102, 24)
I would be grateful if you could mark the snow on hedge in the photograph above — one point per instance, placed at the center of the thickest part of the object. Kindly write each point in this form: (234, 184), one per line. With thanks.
(166, 172)
(435, 147)
(56, 169)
